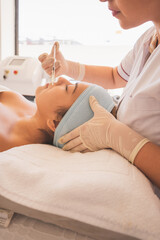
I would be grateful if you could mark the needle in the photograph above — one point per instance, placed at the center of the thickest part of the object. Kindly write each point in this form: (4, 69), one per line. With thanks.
(53, 78)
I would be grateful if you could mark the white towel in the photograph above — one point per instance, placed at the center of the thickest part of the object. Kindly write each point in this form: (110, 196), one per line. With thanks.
(101, 189)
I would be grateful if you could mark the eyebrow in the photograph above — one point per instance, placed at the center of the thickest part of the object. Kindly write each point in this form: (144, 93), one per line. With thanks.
(76, 85)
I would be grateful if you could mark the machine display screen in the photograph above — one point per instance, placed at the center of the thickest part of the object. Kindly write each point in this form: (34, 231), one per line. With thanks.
(17, 62)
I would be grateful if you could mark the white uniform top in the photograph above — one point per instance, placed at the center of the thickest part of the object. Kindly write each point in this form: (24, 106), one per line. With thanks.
(139, 105)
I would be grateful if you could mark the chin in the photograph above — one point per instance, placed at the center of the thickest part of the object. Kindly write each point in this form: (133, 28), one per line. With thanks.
(124, 25)
(128, 25)
(38, 90)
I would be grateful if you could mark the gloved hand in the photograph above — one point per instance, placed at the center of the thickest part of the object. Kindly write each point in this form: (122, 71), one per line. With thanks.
(74, 70)
(47, 61)
(104, 131)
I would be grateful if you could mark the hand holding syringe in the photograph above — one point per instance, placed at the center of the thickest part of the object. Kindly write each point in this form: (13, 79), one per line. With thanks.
(54, 63)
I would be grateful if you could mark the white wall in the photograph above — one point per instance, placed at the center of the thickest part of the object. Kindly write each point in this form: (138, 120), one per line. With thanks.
(7, 28)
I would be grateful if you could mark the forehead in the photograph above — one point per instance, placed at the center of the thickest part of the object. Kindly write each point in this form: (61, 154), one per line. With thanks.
(64, 95)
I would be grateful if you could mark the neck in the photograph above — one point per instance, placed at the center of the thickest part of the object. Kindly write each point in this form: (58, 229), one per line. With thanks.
(32, 130)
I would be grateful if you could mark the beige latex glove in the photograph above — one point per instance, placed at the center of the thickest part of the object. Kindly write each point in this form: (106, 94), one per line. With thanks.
(104, 131)
(74, 70)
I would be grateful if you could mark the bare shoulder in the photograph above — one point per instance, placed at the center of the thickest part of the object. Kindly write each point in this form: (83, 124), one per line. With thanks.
(9, 95)
(15, 101)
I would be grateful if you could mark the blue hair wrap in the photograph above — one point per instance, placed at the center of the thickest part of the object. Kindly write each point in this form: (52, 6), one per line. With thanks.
(80, 112)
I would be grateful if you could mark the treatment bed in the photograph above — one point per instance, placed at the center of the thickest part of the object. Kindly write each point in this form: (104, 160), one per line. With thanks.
(63, 196)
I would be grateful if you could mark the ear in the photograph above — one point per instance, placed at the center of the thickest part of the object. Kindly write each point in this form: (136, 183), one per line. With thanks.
(51, 124)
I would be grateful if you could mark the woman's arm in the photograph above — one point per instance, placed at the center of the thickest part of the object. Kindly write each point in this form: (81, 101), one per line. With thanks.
(107, 77)
(148, 161)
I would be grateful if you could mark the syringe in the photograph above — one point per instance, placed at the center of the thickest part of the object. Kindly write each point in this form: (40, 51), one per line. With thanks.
(53, 77)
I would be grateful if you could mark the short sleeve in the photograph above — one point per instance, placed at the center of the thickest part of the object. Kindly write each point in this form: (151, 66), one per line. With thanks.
(125, 67)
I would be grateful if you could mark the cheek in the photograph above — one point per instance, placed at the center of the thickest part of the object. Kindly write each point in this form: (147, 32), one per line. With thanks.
(71, 100)
(62, 99)
(42, 104)
(38, 90)
(131, 9)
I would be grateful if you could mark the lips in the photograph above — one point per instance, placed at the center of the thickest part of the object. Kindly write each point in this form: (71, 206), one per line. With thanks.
(114, 12)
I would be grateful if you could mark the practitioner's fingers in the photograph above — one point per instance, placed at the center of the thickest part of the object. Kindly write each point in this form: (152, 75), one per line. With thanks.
(69, 136)
(72, 144)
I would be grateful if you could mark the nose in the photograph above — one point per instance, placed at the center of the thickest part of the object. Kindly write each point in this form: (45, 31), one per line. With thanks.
(61, 81)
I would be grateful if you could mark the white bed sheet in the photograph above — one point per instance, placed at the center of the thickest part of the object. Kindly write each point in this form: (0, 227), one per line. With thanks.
(25, 228)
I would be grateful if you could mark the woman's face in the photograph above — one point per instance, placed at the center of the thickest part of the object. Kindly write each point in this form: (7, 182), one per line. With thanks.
(132, 13)
(50, 98)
